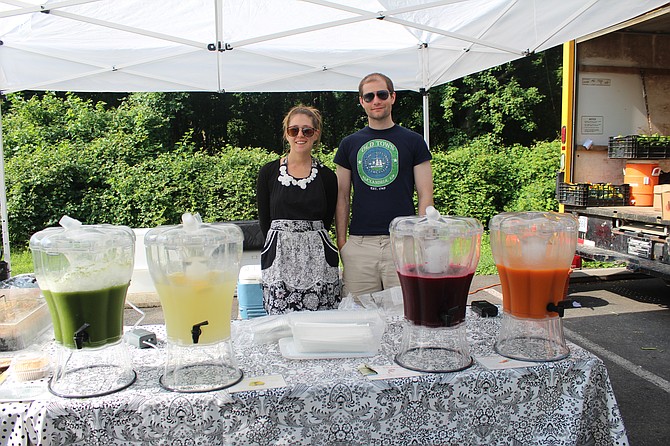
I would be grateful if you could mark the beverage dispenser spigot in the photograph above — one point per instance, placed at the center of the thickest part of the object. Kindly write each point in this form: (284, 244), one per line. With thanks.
(533, 252)
(81, 336)
(435, 257)
(560, 307)
(194, 267)
(196, 331)
(450, 316)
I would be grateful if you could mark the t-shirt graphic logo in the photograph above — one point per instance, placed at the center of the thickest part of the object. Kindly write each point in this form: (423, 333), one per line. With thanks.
(378, 162)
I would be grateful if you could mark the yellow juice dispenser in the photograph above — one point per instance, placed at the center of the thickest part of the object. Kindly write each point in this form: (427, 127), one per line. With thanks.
(194, 267)
(84, 271)
(533, 252)
(436, 257)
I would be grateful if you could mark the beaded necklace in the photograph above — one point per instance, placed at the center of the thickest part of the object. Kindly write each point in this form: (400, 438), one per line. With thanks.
(287, 180)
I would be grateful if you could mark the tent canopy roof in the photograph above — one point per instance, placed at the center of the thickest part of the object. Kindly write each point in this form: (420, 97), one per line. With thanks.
(282, 45)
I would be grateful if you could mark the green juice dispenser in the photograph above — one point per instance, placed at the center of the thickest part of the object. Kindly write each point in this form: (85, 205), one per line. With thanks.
(84, 271)
(194, 267)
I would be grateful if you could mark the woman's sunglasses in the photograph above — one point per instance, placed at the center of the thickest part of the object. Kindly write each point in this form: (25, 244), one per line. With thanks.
(381, 94)
(307, 132)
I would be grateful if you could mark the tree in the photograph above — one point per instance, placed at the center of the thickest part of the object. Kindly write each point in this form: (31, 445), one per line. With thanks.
(515, 102)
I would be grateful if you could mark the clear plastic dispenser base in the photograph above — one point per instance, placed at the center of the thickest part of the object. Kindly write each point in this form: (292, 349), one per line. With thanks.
(529, 339)
(92, 372)
(434, 349)
(200, 367)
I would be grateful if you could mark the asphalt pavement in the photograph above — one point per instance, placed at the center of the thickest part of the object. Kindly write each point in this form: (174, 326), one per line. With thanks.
(624, 319)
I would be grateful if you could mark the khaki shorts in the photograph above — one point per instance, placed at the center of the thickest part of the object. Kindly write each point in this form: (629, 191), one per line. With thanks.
(368, 264)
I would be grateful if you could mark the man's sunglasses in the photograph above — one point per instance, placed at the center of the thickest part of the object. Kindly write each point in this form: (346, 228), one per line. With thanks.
(307, 132)
(381, 94)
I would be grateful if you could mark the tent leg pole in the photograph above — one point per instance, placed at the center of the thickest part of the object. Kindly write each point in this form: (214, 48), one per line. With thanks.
(3, 203)
(426, 117)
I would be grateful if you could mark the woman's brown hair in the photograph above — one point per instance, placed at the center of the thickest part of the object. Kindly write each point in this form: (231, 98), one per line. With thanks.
(311, 112)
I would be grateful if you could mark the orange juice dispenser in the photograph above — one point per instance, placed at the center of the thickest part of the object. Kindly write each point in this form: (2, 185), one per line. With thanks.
(83, 272)
(533, 252)
(194, 267)
(436, 257)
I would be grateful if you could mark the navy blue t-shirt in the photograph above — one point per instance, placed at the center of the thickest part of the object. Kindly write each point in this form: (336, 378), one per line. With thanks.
(382, 172)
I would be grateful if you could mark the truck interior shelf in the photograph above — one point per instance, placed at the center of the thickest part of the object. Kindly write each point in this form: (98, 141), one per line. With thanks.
(633, 263)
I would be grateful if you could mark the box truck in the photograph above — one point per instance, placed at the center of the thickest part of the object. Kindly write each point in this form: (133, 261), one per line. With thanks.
(615, 151)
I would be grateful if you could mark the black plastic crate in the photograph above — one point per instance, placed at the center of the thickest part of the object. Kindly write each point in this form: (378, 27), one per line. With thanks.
(639, 147)
(598, 194)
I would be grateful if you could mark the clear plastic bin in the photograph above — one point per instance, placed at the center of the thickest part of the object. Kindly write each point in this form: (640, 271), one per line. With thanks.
(24, 317)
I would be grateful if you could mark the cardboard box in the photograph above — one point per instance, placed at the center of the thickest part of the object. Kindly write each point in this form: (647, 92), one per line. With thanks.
(658, 190)
(665, 205)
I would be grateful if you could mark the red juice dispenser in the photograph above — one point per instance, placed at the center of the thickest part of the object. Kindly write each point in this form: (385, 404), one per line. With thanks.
(194, 267)
(84, 271)
(436, 257)
(533, 252)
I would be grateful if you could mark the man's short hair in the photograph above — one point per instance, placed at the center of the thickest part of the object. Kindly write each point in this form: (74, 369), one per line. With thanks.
(376, 76)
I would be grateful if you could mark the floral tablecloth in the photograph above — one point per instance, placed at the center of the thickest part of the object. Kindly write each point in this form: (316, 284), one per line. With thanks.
(328, 401)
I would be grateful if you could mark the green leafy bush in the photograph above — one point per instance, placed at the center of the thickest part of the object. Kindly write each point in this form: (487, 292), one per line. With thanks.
(159, 190)
(482, 179)
(535, 175)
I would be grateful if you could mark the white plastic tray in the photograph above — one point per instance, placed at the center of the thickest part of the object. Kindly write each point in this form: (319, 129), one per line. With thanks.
(288, 350)
(29, 391)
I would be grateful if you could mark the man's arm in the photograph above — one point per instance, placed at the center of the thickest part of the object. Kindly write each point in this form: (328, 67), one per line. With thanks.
(343, 205)
(423, 180)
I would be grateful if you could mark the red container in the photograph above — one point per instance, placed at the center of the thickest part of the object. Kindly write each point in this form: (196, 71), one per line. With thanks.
(576, 262)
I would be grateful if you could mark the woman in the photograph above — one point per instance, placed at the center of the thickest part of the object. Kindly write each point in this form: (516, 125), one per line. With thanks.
(296, 206)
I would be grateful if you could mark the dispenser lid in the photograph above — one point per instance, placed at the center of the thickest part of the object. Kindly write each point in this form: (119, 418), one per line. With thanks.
(534, 222)
(434, 225)
(194, 233)
(533, 240)
(75, 237)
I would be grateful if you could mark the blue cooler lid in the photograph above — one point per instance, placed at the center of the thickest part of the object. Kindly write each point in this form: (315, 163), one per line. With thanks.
(250, 274)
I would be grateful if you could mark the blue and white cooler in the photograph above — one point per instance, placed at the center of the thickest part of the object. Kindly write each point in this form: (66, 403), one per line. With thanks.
(249, 292)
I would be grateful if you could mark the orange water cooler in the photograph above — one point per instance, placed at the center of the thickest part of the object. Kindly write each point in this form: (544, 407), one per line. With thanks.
(642, 178)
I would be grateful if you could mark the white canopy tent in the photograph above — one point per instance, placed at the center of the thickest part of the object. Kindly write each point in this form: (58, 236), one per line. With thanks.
(277, 45)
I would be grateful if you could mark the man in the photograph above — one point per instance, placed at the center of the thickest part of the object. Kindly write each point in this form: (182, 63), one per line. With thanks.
(384, 163)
